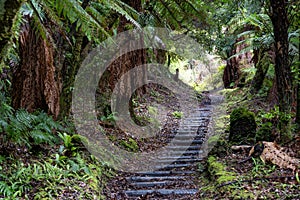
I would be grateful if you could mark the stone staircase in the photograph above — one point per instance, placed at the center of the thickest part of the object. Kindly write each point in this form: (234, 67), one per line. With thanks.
(174, 174)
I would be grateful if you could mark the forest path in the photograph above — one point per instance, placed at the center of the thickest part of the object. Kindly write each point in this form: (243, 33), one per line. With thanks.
(178, 178)
(176, 172)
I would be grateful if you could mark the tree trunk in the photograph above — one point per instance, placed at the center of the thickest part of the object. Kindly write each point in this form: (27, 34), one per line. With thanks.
(261, 70)
(68, 73)
(231, 73)
(71, 65)
(119, 67)
(280, 23)
(34, 84)
(262, 59)
(9, 9)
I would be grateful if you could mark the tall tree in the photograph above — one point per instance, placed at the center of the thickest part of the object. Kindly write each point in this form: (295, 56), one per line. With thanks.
(279, 17)
(120, 66)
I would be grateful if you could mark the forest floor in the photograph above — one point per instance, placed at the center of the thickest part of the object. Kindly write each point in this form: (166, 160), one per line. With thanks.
(68, 171)
(225, 173)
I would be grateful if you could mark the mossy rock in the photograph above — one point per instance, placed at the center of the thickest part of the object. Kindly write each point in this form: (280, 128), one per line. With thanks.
(242, 126)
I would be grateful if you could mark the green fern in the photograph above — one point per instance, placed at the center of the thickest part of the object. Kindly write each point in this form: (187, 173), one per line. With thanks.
(26, 129)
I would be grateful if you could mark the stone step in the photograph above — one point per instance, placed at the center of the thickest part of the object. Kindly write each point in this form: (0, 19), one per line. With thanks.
(173, 172)
(183, 147)
(174, 166)
(187, 135)
(136, 193)
(192, 160)
(191, 131)
(158, 183)
(154, 178)
(191, 124)
(179, 157)
(166, 173)
(184, 153)
(184, 142)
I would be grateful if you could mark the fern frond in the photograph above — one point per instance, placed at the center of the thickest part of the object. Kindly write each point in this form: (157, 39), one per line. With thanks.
(72, 10)
(40, 137)
(241, 52)
(114, 6)
(132, 12)
(245, 33)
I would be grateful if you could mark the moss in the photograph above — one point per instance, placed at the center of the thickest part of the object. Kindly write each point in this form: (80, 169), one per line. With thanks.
(177, 114)
(242, 126)
(130, 145)
(220, 175)
(241, 113)
(218, 171)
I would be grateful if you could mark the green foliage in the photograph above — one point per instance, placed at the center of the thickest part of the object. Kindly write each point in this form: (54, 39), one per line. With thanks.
(176, 14)
(267, 123)
(26, 128)
(71, 144)
(261, 169)
(218, 171)
(81, 176)
(177, 114)
(111, 118)
(264, 133)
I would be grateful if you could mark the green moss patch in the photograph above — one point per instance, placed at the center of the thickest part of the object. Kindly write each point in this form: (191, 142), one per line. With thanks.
(242, 126)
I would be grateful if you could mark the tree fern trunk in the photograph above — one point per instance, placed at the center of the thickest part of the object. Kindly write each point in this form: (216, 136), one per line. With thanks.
(282, 68)
(69, 71)
(119, 67)
(71, 66)
(34, 84)
(262, 66)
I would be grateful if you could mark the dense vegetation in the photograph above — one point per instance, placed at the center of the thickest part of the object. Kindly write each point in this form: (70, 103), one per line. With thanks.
(43, 44)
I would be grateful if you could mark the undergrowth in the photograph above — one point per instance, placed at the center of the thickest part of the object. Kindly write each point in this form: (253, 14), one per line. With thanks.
(41, 158)
(53, 178)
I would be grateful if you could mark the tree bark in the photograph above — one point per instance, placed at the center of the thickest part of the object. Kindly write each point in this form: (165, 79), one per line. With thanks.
(34, 84)
(71, 66)
(9, 9)
(119, 67)
(262, 67)
(69, 70)
(280, 23)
